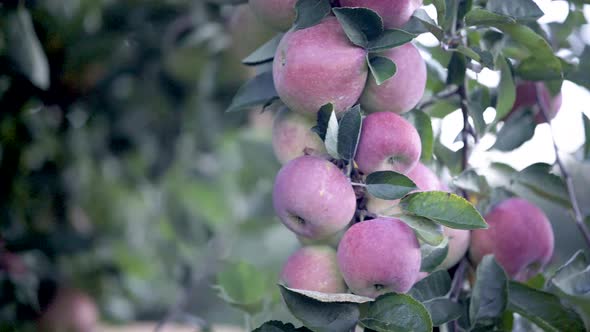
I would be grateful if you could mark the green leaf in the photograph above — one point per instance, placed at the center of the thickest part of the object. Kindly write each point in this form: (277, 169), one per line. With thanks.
(361, 25)
(449, 158)
(456, 69)
(539, 179)
(479, 101)
(332, 136)
(324, 115)
(349, 132)
(506, 90)
(580, 74)
(445, 208)
(24, 51)
(329, 297)
(427, 22)
(264, 53)
(433, 256)
(390, 38)
(490, 293)
(318, 315)
(520, 10)
(435, 285)
(542, 308)
(573, 278)
(382, 68)
(443, 310)
(310, 12)
(396, 312)
(276, 326)
(422, 122)
(243, 286)
(442, 108)
(426, 230)
(258, 91)
(517, 129)
(470, 181)
(586, 121)
(389, 185)
(482, 17)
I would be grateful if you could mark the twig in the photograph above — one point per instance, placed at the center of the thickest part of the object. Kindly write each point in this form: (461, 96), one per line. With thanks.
(458, 282)
(569, 183)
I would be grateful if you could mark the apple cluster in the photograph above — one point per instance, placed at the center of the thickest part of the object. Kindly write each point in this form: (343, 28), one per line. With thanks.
(349, 241)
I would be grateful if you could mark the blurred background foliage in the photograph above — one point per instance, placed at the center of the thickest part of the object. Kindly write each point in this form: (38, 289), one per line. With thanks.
(120, 173)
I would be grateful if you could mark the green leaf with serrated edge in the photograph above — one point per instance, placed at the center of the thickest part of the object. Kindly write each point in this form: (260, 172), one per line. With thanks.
(24, 51)
(444, 208)
(435, 285)
(332, 136)
(324, 114)
(425, 229)
(349, 132)
(277, 326)
(428, 23)
(542, 308)
(521, 10)
(443, 310)
(310, 12)
(506, 90)
(517, 130)
(389, 185)
(264, 53)
(396, 312)
(256, 92)
(470, 181)
(433, 256)
(490, 292)
(321, 316)
(482, 17)
(389, 39)
(586, 121)
(423, 124)
(361, 25)
(382, 68)
(456, 69)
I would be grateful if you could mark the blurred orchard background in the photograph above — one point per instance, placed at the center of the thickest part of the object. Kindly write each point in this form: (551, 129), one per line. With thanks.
(122, 176)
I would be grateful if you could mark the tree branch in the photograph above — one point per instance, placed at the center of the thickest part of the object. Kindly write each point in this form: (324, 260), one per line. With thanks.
(569, 183)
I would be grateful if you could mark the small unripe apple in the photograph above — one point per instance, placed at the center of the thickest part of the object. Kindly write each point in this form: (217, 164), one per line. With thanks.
(292, 136)
(314, 268)
(71, 310)
(387, 142)
(526, 96)
(313, 198)
(379, 256)
(318, 65)
(519, 235)
(395, 13)
(279, 14)
(404, 90)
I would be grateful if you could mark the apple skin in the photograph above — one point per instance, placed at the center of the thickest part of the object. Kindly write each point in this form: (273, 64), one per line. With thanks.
(318, 65)
(279, 14)
(387, 142)
(379, 256)
(71, 310)
(404, 90)
(458, 245)
(395, 13)
(292, 135)
(313, 198)
(314, 268)
(526, 96)
(519, 235)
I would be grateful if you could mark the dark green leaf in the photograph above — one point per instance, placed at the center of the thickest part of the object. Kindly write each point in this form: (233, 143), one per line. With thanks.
(506, 90)
(276, 326)
(396, 312)
(24, 51)
(442, 108)
(423, 124)
(264, 53)
(427, 22)
(361, 25)
(349, 132)
(586, 121)
(451, 159)
(517, 129)
(258, 91)
(321, 316)
(536, 68)
(456, 69)
(543, 309)
(437, 284)
(479, 101)
(539, 179)
(389, 39)
(521, 10)
(443, 310)
(426, 230)
(311, 12)
(482, 17)
(470, 181)
(580, 74)
(490, 293)
(324, 114)
(389, 185)
(445, 208)
(433, 256)
(382, 68)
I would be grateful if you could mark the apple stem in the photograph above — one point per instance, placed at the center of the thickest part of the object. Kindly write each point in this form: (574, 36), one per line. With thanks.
(569, 183)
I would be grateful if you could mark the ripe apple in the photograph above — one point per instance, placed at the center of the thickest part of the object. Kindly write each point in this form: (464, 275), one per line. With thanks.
(71, 310)
(314, 268)
(526, 96)
(292, 135)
